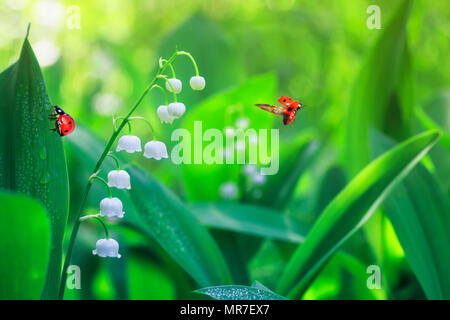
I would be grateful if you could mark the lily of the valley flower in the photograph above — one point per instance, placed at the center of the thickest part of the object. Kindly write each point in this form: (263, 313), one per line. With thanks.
(156, 150)
(243, 122)
(197, 83)
(164, 116)
(129, 143)
(176, 84)
(107, 248)
(111, 207)
(119, 179)
(250, 169)
(258, 178)
(228, 190)
(176, 109)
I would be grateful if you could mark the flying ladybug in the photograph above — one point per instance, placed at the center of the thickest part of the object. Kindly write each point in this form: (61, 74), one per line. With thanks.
(64, 123)
(288, 111)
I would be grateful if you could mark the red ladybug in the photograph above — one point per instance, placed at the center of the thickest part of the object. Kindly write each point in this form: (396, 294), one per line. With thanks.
(64, 122)
(289, 111)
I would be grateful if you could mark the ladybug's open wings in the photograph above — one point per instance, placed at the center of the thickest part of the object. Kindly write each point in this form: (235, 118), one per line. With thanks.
(272, 109)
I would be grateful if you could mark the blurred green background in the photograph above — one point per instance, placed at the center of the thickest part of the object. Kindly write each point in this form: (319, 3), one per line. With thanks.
(254, 51)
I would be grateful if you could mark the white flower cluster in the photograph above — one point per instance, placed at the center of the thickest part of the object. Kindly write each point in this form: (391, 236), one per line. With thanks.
(175, 110)
(112, 207)
(152, 149)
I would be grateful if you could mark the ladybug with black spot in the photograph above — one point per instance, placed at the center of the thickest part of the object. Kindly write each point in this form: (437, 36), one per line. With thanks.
(64, 122)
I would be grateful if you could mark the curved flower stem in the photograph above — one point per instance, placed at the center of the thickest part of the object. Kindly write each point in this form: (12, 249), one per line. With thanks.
(95, 216)
(104, 182)
(170, 85)
(116, 160)
(146, 121)
(163, 91)
(161, 62)
(184, 53)
(108, 146)
(118, 118)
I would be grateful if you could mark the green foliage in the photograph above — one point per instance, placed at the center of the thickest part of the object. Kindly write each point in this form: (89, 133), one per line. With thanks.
(25, 250)
(154, 210)
(251, 220)
(377, 95)
(350, 78)
(418, 210)
(32, 159)
(350, 209)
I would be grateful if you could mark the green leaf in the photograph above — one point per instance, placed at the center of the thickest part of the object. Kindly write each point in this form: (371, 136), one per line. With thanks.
(350, 209)
(255, 292)
(419, 212)
(25, 247)
(163, 216)
(251, 220)
(32, 158)
(157, 212)
(381, 81)
(295, 157)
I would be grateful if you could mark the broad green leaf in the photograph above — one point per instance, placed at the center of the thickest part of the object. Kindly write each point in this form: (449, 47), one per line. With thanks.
(350, 209)
(332, 183)
(218, 112)
(420, 214)
(255, 292)
(295, 157)
(157, 212)
(24, 247)
(32, 158)
(251, 220)
(379, 83)
(436, 115)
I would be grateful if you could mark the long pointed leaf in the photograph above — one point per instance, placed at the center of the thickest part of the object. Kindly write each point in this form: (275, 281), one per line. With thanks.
(420, 214)
(350, 209)
(32, 158)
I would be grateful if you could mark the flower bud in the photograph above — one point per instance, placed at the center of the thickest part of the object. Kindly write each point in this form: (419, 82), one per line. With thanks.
(258, 178)
(228, 190)
(250, 169)
(243, 122)
(119, 179)
(130, 144)
(176, 84)
(111, 207)
(156, 150)
(197, 83)
(107, 248)
(164, 116)
(176, 109)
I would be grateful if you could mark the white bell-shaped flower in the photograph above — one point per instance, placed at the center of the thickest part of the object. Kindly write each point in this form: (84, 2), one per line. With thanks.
(228, 190)
(197, 83)
(258, 178)
(119, 179)
(111, 207)
(156, 150)
(250, 169)
(107, 248)
(243, 122)
(163, 114)
(176, 84)
(130, 144)
(176, 109)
